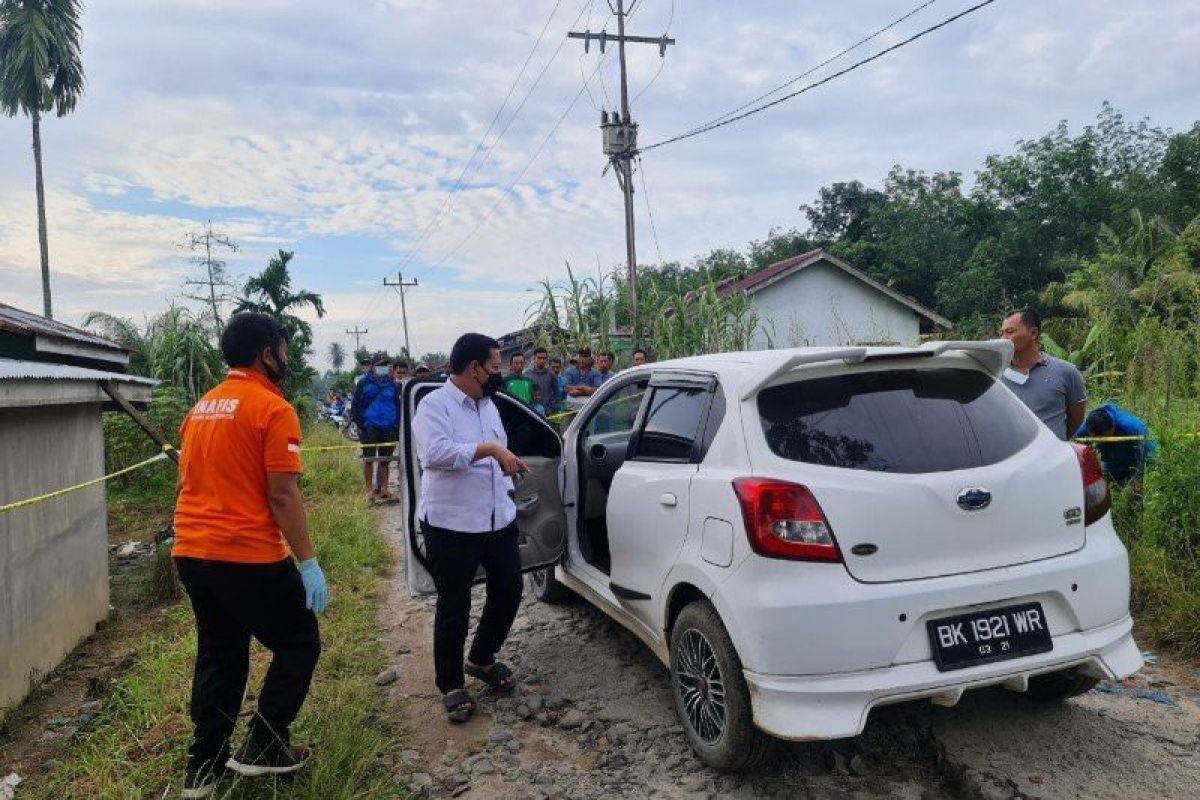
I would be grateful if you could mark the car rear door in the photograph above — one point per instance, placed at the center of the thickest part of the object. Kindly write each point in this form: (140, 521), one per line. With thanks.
(923, 468)
(541, 519)
(648, 505)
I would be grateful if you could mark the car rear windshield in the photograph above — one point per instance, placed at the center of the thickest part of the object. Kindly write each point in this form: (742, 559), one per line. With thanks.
(904, 420)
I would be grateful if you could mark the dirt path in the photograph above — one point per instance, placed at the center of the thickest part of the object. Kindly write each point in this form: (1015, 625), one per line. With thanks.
(592, 717)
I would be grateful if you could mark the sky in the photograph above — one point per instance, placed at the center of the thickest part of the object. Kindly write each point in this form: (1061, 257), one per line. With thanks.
(354, 135)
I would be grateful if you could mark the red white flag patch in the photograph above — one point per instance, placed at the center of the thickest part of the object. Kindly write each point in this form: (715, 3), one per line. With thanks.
(293, 445)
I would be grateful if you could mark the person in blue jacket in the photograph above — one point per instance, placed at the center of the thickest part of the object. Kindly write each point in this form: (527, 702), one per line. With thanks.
(377, 416)
(1122, 461)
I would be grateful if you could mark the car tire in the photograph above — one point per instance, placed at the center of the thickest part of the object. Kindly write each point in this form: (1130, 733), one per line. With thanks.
(703, 659)
(545, 587)
(1055, 687)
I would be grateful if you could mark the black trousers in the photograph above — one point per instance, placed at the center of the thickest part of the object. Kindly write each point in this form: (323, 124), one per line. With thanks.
(231, 603)
(454, 558)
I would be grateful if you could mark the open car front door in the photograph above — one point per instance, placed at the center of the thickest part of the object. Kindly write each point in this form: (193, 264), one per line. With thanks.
(541, 519)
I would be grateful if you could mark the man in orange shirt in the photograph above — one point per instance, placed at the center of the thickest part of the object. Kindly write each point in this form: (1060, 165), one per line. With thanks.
(239, 510)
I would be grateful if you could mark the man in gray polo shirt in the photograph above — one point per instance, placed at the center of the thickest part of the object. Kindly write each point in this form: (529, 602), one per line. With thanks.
(1052, 388)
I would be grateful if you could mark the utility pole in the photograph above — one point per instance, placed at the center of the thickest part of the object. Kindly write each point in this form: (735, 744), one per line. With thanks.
(619, 134)
(400, 285)
(357, 334)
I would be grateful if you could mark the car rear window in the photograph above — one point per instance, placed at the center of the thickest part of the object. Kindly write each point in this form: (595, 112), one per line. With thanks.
(904, 420)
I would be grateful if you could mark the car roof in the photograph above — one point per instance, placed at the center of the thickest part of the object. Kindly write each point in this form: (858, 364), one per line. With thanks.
(751, 370)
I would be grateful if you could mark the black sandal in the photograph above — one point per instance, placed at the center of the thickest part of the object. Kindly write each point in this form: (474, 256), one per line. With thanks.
(459, 705)
(497, 675)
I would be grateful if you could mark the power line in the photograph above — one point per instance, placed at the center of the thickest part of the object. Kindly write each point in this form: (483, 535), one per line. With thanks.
(458, 184)
(824, 63)
(649, 212)
(722, 123)
(662, 61)
(492, 210)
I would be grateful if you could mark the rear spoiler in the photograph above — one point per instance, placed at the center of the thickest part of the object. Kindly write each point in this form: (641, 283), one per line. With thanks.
(993, 355)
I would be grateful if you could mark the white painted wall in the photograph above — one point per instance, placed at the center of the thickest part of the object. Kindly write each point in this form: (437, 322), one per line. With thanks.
(822, 305)
(54, 555)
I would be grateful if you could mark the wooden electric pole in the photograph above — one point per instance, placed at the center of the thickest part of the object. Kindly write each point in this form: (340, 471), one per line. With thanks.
(357, 334)
(400, 285)
(619, 134)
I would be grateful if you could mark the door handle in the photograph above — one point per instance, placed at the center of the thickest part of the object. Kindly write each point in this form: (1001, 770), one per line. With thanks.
(527, 505)
(669, 500)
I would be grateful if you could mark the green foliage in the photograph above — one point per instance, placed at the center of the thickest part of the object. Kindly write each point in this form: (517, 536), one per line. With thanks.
(175, 347)
(337, 356)
(40, 66)
(270, 292)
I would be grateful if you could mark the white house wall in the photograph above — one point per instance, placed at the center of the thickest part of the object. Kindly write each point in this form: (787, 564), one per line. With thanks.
(822, 305)
(53, 555)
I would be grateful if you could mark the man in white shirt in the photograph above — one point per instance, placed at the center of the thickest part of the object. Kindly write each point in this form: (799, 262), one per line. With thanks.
(468, 519)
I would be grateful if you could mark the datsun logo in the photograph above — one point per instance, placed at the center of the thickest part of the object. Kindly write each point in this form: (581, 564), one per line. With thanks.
(974, 498)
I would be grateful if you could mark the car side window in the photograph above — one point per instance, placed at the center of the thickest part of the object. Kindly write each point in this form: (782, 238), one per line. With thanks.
(672, 424)
(618, 413)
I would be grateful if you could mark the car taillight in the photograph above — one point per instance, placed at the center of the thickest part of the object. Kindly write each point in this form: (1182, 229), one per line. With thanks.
(784, 520)
(1096, 500)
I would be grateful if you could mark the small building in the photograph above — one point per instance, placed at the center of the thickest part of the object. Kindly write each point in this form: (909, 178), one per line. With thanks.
(817, 299)
(53, 554)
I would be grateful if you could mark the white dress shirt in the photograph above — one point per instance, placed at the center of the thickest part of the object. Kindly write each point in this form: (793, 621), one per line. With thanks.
(457, 493)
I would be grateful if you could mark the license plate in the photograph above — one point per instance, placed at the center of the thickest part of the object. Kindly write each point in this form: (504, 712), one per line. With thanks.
(985, 636)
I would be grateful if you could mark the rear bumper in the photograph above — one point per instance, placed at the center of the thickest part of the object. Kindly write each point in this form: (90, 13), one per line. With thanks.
(836, 706)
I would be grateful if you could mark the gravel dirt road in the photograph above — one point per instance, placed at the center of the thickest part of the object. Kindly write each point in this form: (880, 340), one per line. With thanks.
(592, 717)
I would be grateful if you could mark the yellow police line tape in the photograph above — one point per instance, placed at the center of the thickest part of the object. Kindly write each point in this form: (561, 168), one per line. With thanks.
(326, 448)
(29, 501)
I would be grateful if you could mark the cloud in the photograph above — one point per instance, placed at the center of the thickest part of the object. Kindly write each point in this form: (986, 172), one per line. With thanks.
(340, 132)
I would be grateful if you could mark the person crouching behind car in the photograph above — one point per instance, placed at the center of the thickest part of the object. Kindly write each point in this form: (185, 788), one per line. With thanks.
(468, 517)
(1123, 461)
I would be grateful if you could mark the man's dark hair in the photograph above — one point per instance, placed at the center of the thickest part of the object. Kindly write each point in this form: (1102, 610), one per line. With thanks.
(247, 334)
(607, 355)
(400, 363)
(469, 348)
(513, 357)
(1100, 421)
(537, 351)
(1029, 317)
(642, 351)
(586, 352)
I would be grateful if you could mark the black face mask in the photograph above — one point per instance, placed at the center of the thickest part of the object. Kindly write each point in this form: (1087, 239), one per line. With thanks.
(277, 374)
(493, 384)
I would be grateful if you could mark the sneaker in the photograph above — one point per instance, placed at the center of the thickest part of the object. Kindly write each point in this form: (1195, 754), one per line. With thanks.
(253, 761)
(200, 781)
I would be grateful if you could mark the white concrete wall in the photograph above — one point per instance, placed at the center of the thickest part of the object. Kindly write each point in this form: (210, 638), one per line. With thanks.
(53, 555)
(822, 305)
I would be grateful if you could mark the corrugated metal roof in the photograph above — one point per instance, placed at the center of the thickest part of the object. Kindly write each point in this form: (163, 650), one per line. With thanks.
(13, 370)
(19, 321)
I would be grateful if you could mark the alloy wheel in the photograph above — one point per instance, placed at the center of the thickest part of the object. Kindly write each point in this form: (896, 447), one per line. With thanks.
(698, 676)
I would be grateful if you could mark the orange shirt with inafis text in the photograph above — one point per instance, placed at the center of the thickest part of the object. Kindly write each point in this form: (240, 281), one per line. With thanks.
(230, 440)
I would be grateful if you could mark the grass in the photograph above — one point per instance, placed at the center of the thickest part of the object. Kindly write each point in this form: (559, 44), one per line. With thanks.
(137, 745)
(1161, 529)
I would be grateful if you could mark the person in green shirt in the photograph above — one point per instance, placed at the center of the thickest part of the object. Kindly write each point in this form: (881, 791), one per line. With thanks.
(516, 383)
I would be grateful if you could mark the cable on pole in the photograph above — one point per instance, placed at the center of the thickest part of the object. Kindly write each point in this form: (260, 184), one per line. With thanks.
(809, 87)
(649, 212)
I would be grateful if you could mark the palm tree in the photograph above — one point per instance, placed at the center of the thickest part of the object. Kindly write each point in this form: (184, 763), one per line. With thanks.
(270, 292)
(40, 70)
(337, 356)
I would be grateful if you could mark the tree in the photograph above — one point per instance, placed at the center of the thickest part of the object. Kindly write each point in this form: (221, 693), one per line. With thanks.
(174, 347)
(270, 292)
(337, 356)
(213, 288)
(40, 70)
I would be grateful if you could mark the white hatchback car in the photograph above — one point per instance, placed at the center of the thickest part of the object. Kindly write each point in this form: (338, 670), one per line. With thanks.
(802, 535)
